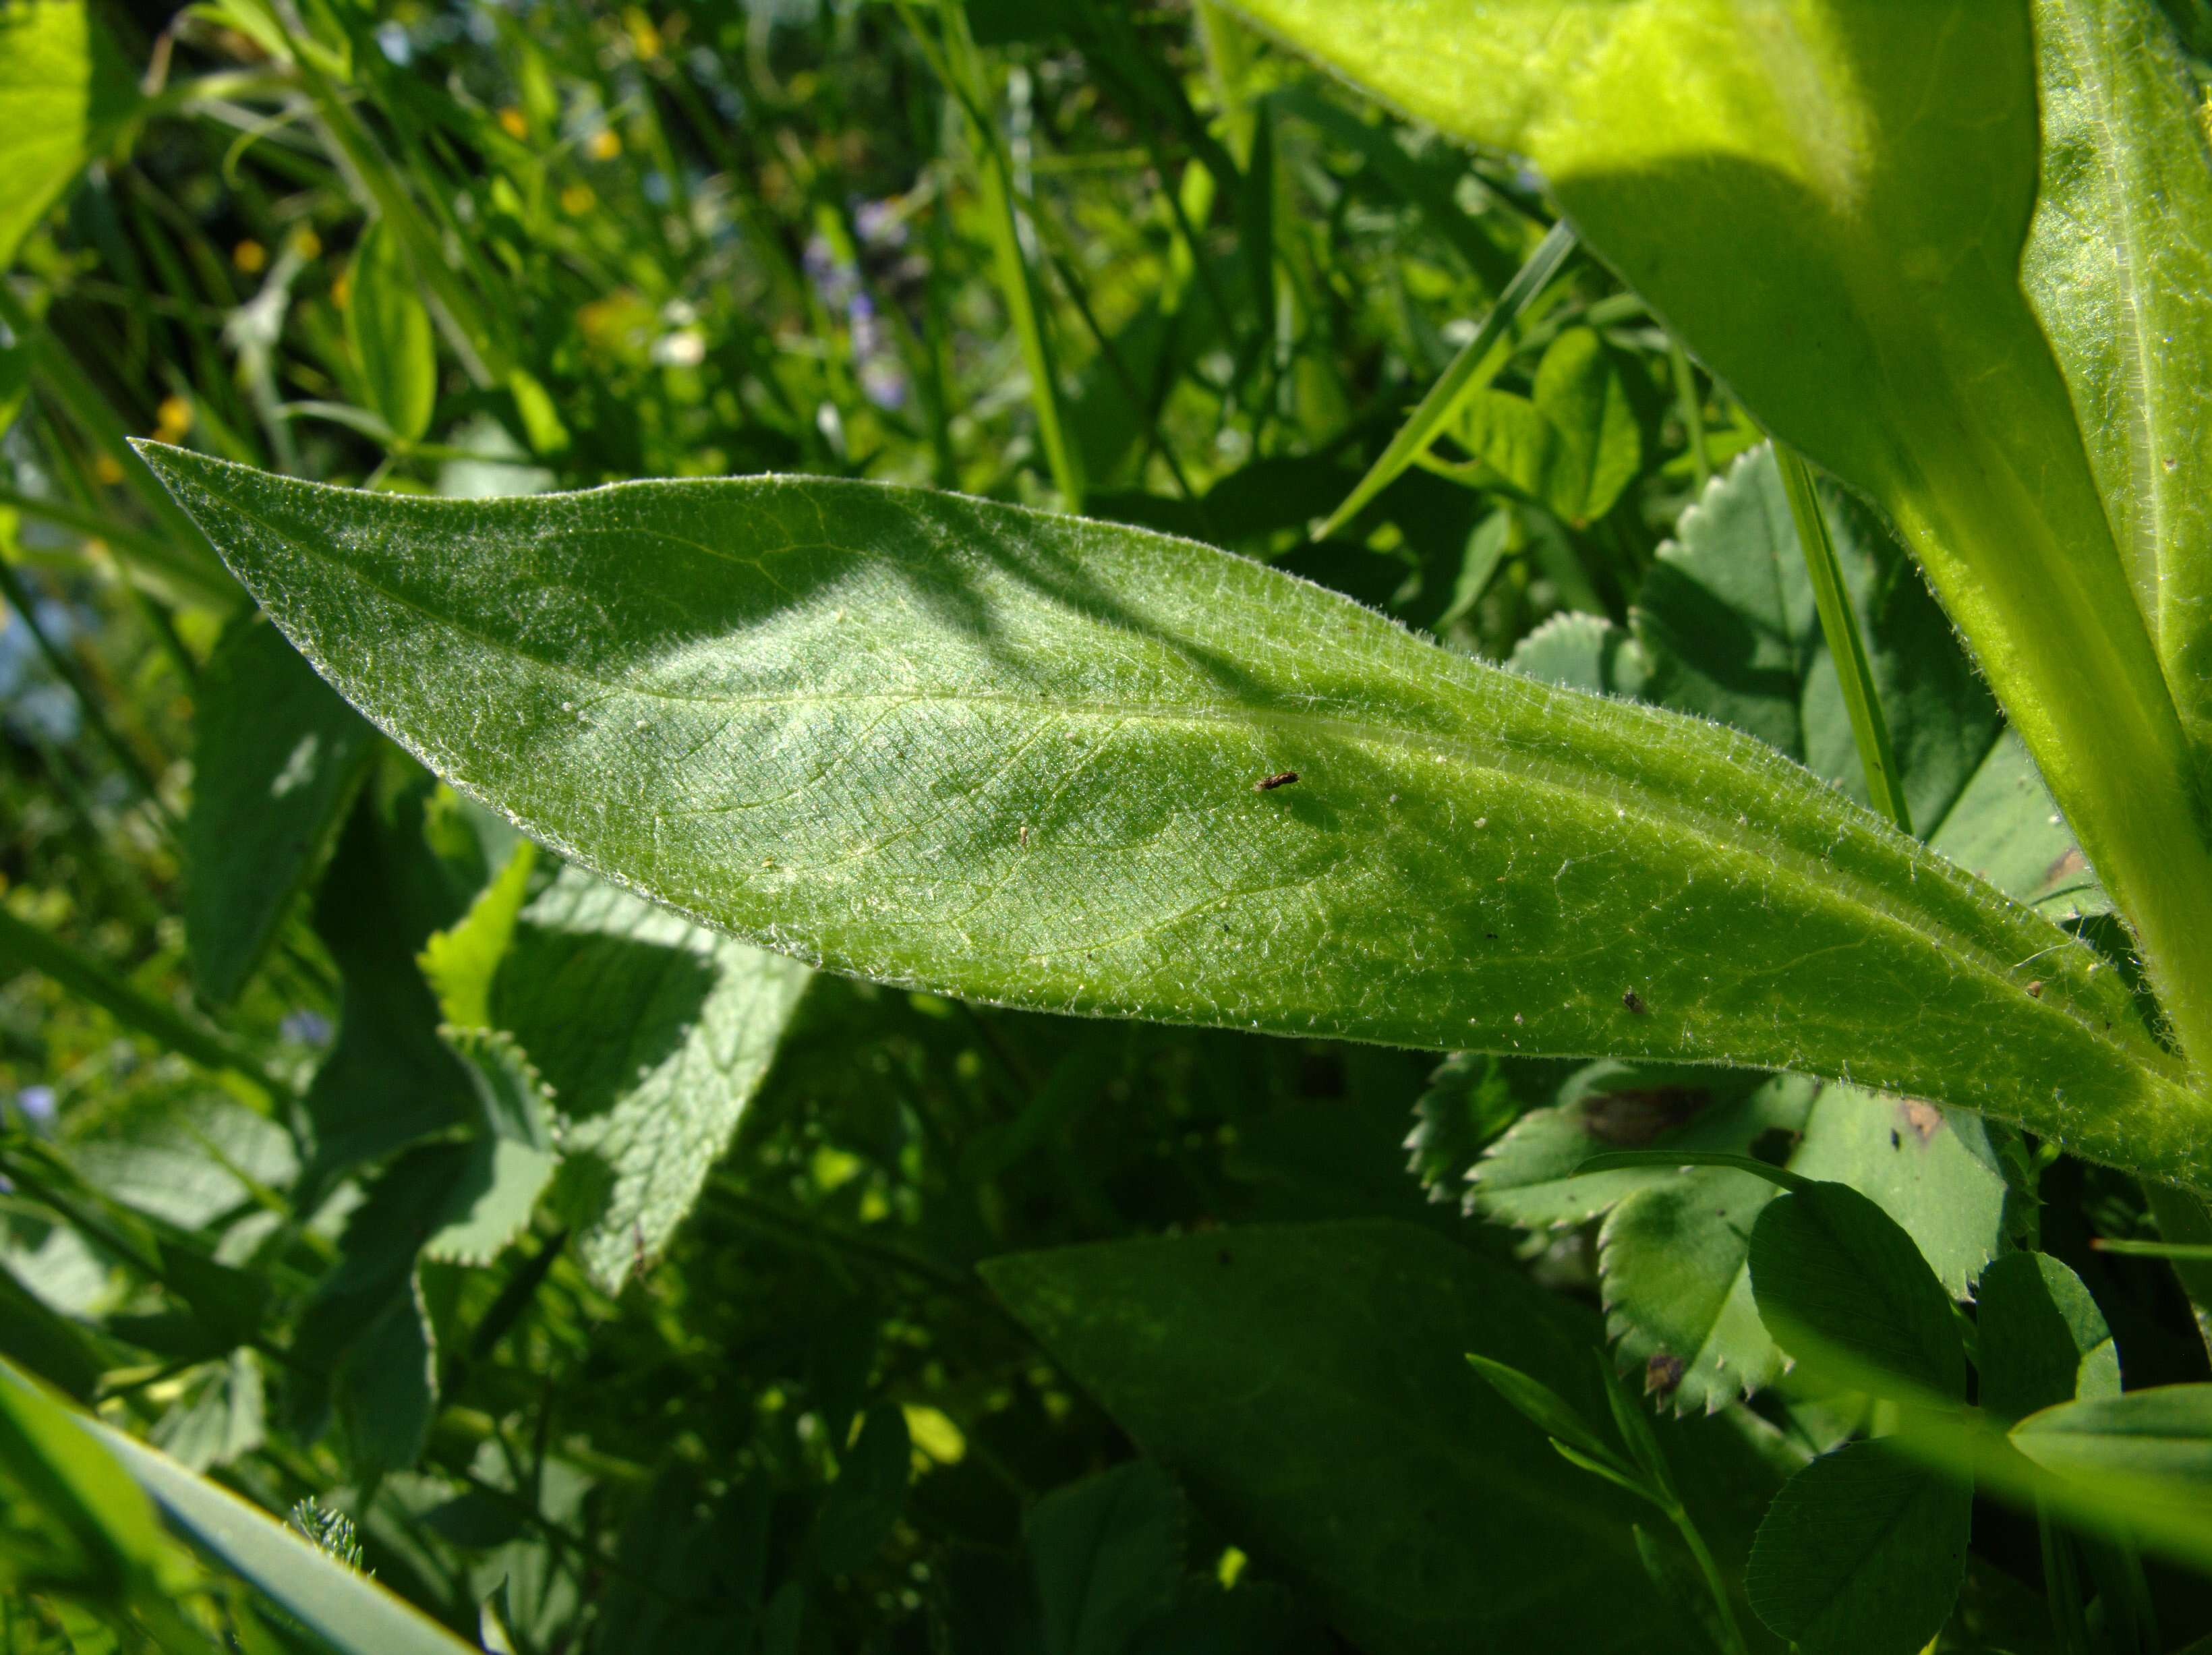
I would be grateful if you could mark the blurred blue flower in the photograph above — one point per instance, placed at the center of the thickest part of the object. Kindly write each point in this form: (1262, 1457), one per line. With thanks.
(37, 1105)
(307, 1027)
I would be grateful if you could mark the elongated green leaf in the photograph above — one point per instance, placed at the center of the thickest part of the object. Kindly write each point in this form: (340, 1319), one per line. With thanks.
(936, 741)
(1828, 200)
(2119, 271)
(274, 757)
(460, 963)
(342, 1606)
(1862, 1553)
(60, 90)
(2162, 1436)
(1309, 1386)
(866, 1501)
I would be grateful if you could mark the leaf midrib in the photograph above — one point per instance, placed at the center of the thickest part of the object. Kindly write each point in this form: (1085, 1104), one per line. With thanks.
(1834, 885)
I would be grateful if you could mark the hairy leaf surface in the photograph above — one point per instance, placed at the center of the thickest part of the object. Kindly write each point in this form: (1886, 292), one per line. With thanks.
(1828, 200)
(940, 742)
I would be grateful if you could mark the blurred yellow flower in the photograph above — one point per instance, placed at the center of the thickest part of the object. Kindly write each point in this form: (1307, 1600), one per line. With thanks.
(578, 199)
(107, 468)
(642, 34)
(307, 243)
(250, 256)
(173, 419)
(605, 144)
(513, 123)
(342, 288)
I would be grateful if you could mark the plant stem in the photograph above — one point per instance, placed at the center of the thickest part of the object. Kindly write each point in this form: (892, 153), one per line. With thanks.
(1693, 411)
(1732, 1637)
(1840, 623)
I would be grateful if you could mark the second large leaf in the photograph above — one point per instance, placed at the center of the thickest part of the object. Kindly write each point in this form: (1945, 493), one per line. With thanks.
(1045, 762)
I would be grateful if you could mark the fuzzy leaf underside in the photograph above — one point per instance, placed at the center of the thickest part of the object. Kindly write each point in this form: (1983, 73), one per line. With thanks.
(940, 742)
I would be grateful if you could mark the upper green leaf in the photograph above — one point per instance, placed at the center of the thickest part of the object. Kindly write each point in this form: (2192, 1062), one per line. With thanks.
(1827, 199)
(60, 90)
(2119, 265)
(1019, 757)
(388, 328)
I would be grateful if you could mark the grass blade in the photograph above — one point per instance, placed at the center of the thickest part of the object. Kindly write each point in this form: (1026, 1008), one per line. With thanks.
(1458, 381)
(1869, 729)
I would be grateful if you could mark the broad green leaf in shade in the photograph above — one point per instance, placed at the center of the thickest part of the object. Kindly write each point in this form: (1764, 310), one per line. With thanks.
(1308, 1387)
(1575, 443)
(2118, 266)
(275, 754)
(388, 329)
(61, 91)
(947, 743)
(509, 1164)
(1106, 1554)
(189, 1162)
(385, 1384)
(1828, 203)
(864, 1504)
(388, 1079)
(459, 964)
(346, 1609)
(1831, 1270)
(2039, 1339)
(655, 1034)
(220, 1415)
(1862, 1553)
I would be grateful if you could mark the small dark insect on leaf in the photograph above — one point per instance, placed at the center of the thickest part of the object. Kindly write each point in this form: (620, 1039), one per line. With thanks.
(1661, 1374)
(1269, 783)
(2035, 989)
(1634, 1001)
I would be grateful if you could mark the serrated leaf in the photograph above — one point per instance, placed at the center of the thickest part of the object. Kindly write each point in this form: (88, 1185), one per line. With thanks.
(275, 755)
(459, 964)
(1106, 1554)
(386, 1384)
(61, 92)
(1042, 789)
(655, 1034)
(509, 1164)
(2039, 1339)
(1309, 1386)
(388, 331)
(1862, 1553)
(1833, 1272)
(1466, 1104)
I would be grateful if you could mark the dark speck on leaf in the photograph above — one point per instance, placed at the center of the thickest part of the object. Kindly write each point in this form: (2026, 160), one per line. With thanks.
(1269, 783)
(1775, 1146)
(2035, 989)
(1225, 1256)
(1896, 1142)
(1661, 1374)
(1632, 1118)
(1634, 1001)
